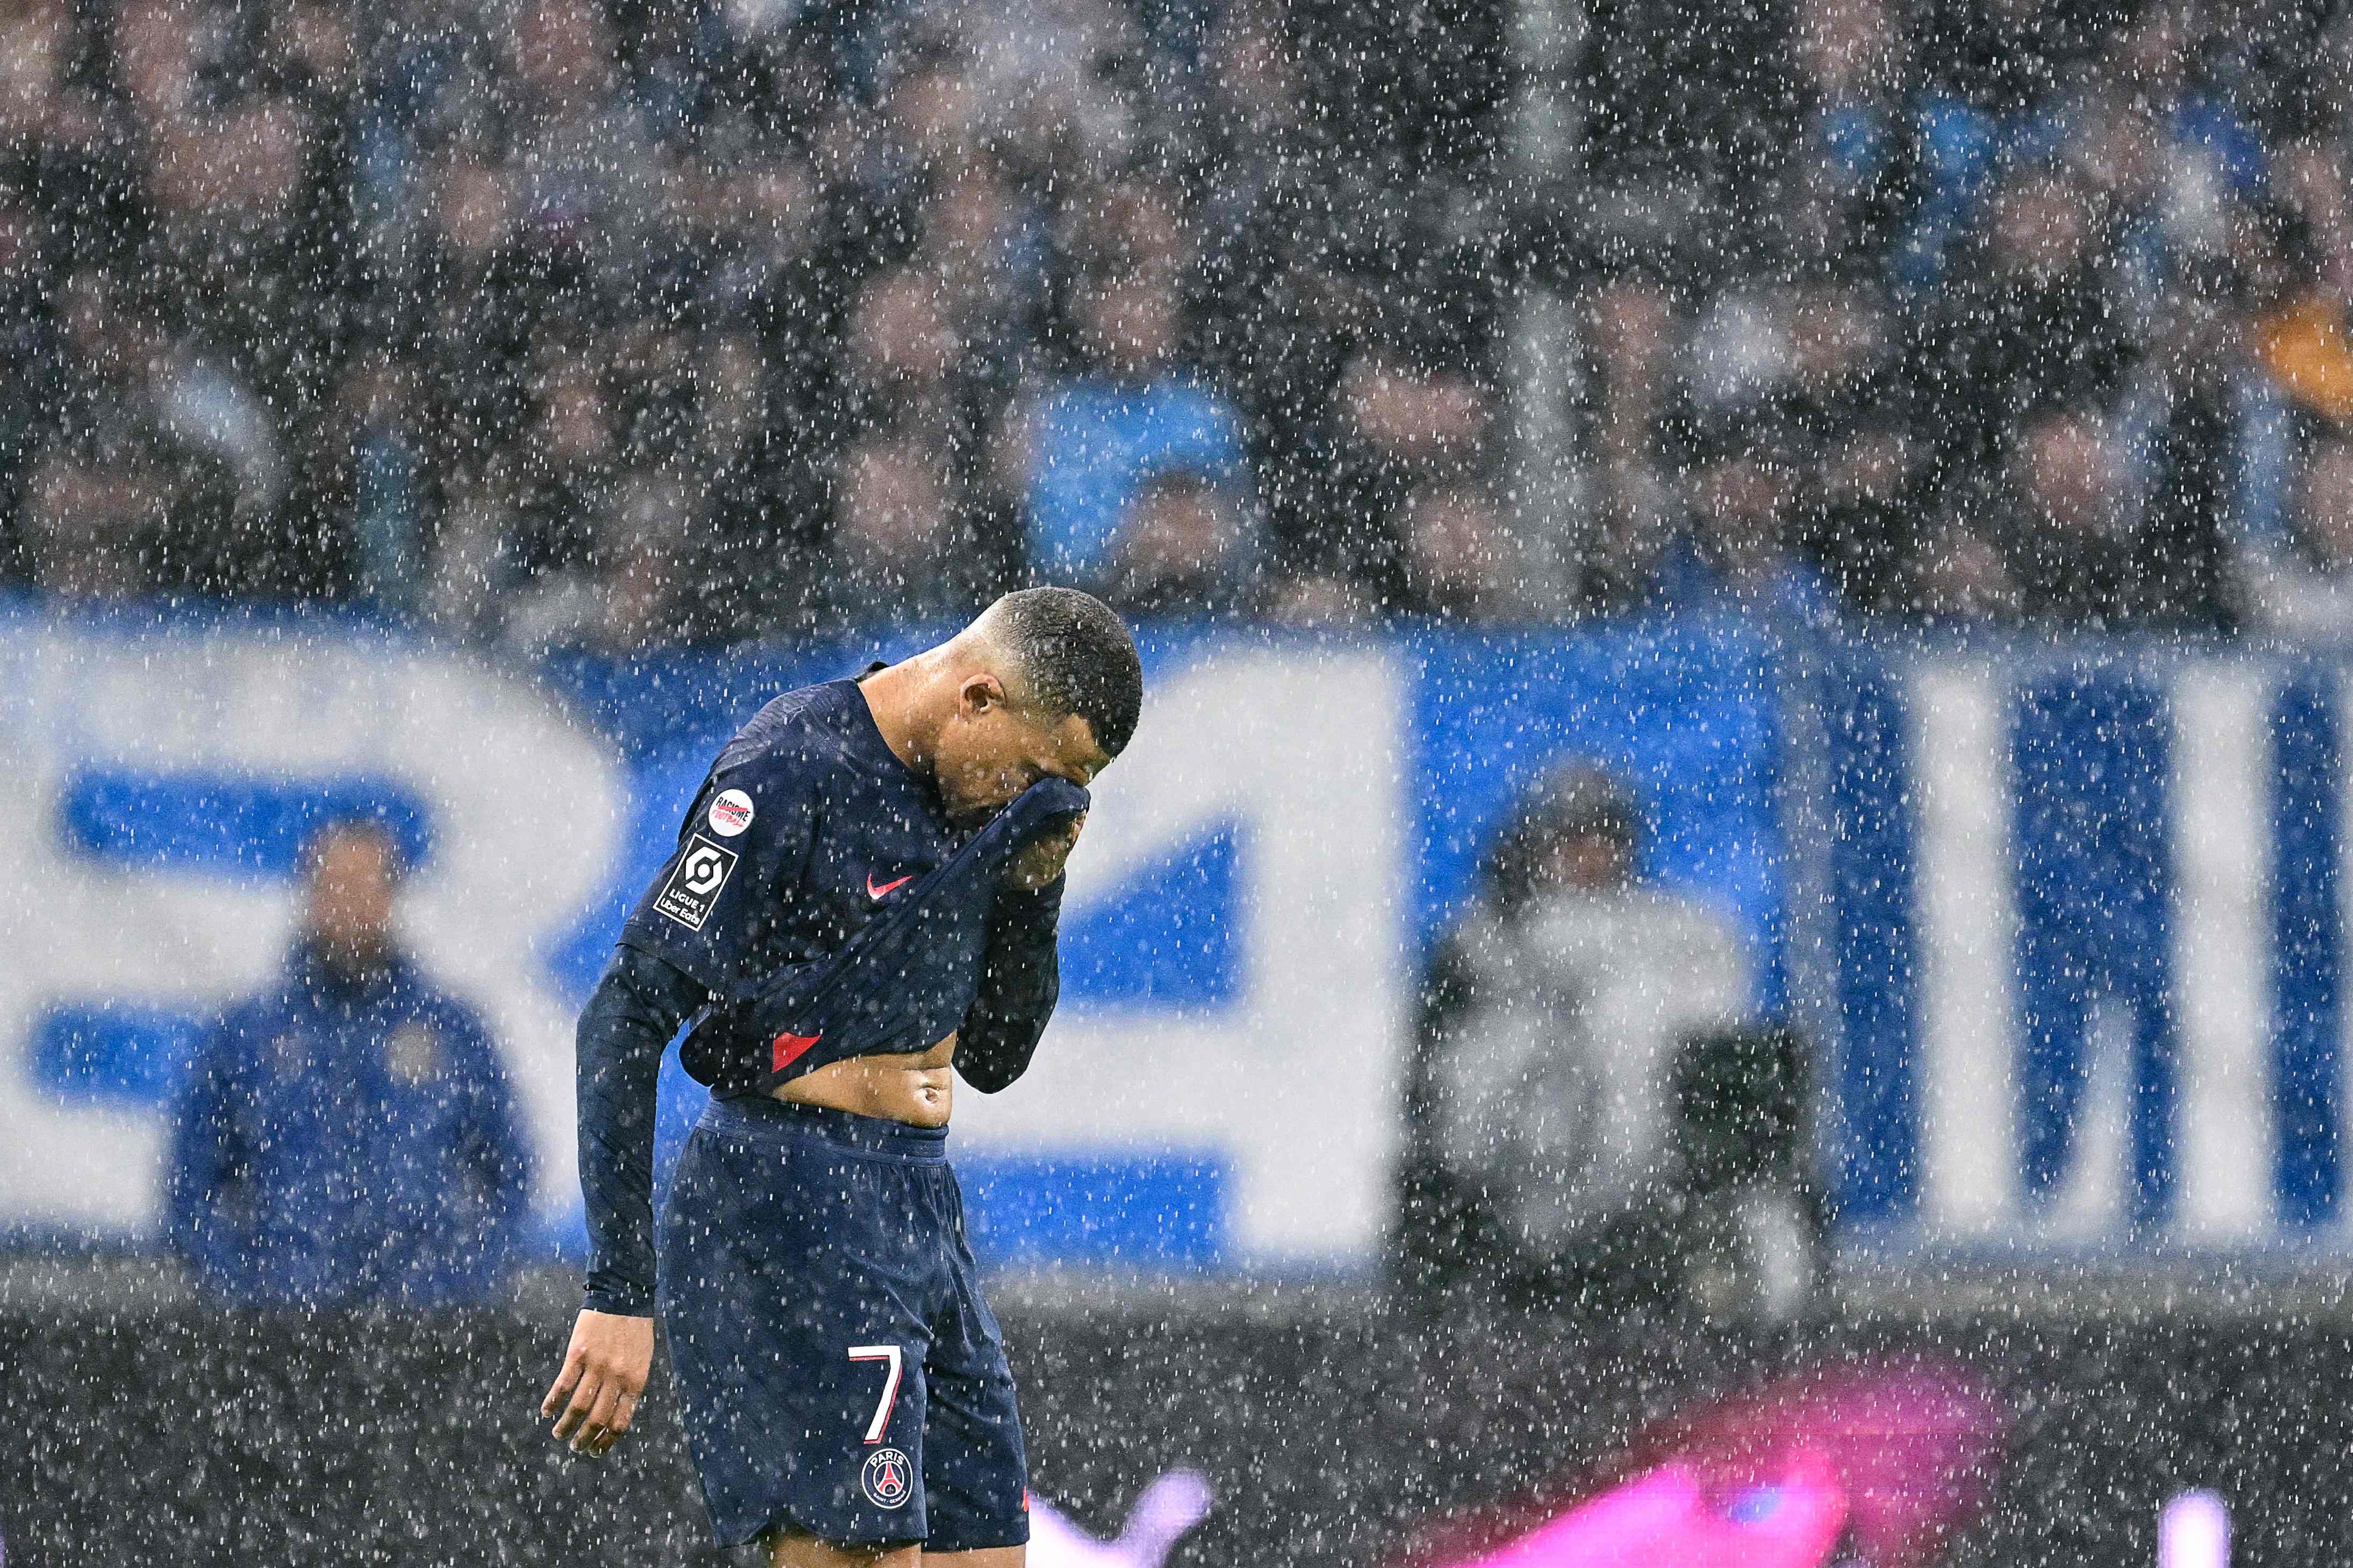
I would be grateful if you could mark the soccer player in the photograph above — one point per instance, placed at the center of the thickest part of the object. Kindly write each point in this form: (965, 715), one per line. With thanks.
(864, 894)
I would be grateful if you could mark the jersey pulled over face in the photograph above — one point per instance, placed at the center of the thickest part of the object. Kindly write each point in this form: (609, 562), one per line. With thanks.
(806, 827)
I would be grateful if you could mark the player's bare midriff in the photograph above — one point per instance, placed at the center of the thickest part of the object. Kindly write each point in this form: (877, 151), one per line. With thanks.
(914, 1087)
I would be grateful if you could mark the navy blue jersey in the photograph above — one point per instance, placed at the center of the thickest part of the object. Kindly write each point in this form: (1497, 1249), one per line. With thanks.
(908, 978)
(819, 904)
(821, 893)
(805, 824)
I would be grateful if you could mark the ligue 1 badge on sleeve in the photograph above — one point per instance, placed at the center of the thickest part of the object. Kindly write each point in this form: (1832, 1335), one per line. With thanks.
(731, 813)
(888, 1478)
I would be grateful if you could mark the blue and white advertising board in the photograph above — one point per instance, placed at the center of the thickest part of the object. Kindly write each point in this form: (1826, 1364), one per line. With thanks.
(1259, 876)
(2090, 929)
(2083, 909)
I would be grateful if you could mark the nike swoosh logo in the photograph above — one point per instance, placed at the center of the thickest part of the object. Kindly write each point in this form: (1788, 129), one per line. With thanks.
(788, 1048)
(877, 894)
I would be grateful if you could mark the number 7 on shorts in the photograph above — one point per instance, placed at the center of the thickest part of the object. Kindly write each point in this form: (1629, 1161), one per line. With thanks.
(875, 1427)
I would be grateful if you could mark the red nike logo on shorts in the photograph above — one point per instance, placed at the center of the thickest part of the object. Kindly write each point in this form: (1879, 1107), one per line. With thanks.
(877, 894)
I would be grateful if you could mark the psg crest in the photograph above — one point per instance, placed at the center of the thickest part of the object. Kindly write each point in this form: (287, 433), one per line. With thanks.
(888, 1477)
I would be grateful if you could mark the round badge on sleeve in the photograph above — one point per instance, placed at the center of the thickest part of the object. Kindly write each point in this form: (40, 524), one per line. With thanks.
(731, 813)
(888, 1478)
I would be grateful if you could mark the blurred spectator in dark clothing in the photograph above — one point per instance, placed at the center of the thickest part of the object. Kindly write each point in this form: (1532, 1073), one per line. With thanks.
(474, 305)
(86, 528)
(1687, 101)
(905, 543)
(30, 345)
(472, 571)
(623, 597)
(1635, 515)
(1841, 341)
(986, 253)
(585, 170)
(569, 457)
(763, 518)
(2002, 58)
(1735, 552)
(1862, 519)
(1850, 189)
(114, 346)
(1463, 562)
(2302, 586)
(1958, 577)
(2026, 323)
(1630, 320)
(125, 510)
(349, 1135)
(1402, 419)
(904, 370)
(1542, 1160)
(1186, 549)
(2205, 425)
(2069, 530)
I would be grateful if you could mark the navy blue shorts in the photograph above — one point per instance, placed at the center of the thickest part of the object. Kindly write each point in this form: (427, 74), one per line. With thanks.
(837, 1369)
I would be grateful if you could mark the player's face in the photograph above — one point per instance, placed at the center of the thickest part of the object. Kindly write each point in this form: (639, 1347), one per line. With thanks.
(992, 749)
(353, 878)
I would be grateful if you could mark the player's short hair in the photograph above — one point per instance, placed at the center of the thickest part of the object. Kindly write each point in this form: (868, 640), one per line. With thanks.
(1076, 656)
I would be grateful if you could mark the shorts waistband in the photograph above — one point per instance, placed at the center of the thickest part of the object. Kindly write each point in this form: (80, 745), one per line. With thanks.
(758, 1113)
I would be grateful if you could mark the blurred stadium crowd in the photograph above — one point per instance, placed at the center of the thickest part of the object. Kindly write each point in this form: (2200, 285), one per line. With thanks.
(607, 323)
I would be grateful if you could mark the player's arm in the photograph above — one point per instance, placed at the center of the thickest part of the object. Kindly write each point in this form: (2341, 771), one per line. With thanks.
(204, 1201)
(1020, 977)
(638, 1006)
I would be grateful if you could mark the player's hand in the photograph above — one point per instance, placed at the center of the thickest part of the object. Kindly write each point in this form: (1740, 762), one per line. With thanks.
(1042, 860)
(605, 1372)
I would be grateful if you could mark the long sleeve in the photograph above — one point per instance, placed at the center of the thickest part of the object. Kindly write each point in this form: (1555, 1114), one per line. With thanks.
(204, 1208)
(491, 1142)
(638, 1006)
(1021, 980)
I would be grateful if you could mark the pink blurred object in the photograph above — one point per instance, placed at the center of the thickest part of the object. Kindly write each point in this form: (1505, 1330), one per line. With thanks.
(2194, 1531)
(1912, 1444)
(1666, 1518)
(1917, 1444)
(1169, 1508)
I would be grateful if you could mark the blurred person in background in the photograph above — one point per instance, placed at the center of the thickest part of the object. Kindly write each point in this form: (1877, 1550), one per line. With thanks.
(904, 369)
(29, 342)
(2030, 319)
(1541, 1162)
(907, 542)
(1085, 447)
(2302, 586)
(621, 599)
(1735, 553)
(1632, 327)
(1463, 563)
(584, 167)
(123, 510)
(1187, 548)
(2068, 527)
(348, 1134)
(1860, 518)
(1407, 416)
(86, 524)
(1850, 187)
